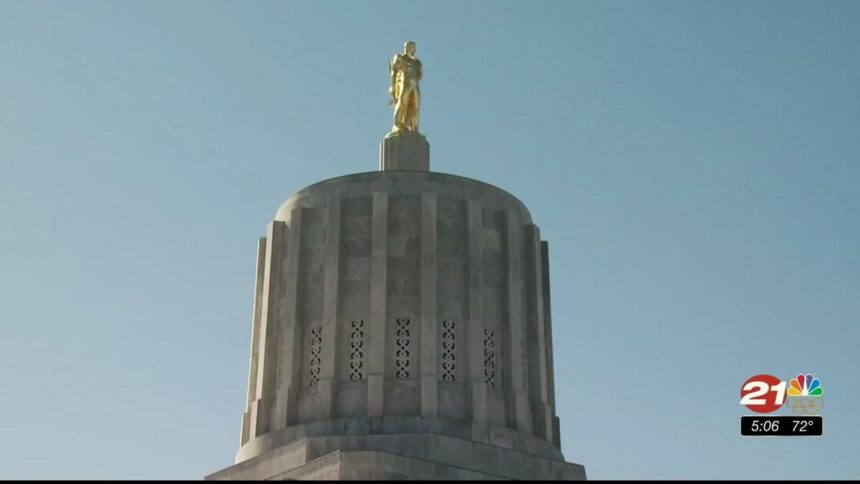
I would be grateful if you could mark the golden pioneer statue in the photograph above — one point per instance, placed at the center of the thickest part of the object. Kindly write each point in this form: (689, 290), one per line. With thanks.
(405, 72)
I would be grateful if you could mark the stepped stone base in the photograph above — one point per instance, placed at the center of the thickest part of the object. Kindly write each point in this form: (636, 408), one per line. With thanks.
(401, 456)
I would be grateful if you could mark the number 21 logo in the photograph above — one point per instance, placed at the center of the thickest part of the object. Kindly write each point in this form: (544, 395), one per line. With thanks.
(763, 393)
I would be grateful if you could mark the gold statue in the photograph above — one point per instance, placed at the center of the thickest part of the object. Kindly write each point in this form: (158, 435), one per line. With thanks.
(405, 72)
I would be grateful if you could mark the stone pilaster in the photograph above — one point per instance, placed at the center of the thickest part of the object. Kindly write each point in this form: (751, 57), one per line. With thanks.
(268, 346)
(255, 341)
(514, 356)
(378, 308)
(547, 316)
(429, 323)
(327, 390)
(289, 363)
(478, 387)
(539, 351)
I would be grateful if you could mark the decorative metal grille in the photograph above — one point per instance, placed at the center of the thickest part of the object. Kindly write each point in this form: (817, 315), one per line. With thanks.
(449, 356)
(490, 358)
(402, 342)
(316, 349)
(356, 348)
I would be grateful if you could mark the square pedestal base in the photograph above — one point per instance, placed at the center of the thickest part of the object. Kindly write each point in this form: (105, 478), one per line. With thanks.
(404, 151)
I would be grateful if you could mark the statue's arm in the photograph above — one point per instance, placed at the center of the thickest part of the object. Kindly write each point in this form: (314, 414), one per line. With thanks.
(392, 70)
(420, 69)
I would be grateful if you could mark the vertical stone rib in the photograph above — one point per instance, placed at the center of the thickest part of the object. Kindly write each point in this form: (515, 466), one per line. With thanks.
(542, 377)
(547, 316)
(290, 341)
(429, 345)
(378, 312)
(330, 332)
(268, 346)
(255, 342)
(476, 314)
(516, 391)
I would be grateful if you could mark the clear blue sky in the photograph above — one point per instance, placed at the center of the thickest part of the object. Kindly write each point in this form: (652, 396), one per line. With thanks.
(695, 166)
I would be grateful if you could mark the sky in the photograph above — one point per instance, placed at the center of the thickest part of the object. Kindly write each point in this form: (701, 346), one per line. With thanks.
(694, 165)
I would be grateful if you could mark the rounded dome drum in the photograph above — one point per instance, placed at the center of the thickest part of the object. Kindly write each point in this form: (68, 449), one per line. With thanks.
(402, 302)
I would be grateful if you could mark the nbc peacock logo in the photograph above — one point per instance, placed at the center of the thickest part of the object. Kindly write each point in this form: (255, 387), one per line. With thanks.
(805, 395)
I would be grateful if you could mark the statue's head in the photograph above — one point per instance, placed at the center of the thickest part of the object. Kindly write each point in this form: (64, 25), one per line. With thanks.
(409, 48)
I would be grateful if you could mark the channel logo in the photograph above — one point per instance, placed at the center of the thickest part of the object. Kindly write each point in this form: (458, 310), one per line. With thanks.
(805, 385)
(767, 394)
(805, 395)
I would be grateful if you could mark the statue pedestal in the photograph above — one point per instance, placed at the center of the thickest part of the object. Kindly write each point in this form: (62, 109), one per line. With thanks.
(404, 151)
